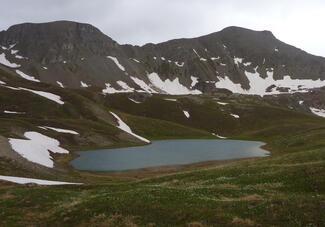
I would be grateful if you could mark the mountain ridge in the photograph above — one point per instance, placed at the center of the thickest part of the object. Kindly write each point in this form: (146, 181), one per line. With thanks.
(79, 55)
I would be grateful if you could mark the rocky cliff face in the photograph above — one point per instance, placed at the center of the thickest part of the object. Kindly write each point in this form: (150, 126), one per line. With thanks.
(76, 55)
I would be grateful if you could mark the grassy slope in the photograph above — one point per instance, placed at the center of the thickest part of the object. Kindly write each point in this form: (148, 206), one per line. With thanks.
(285, 189)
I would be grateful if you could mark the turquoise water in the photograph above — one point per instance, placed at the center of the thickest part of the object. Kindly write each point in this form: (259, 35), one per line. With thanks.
(166, 153)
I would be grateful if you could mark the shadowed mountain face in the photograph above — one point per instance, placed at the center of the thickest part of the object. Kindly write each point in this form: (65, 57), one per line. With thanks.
(78, 55)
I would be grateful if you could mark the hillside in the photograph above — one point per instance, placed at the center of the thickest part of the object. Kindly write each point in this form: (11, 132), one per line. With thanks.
(76, 89)
(75, 55)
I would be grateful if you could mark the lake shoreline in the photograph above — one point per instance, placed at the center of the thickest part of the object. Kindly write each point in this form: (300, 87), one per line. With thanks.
(171, 152)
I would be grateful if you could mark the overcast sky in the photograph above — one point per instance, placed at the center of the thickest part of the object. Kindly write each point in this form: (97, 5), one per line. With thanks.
(297, 22)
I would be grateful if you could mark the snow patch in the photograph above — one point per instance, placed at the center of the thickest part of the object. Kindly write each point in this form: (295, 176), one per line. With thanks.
(179, 64)
(60, 130)
(13, 112)
(143, 85)
(36, 148)
(4, 61)
(238, 60)
(259, 85)
(215, 58)
(83, 84)
(195, 80)
(60, 84)
(114, 59)
(124, 127)
(132, 100)
(137, 61)
(27, 77)
(47, 95)
(234, 115)
(186, 113)
(223, 103)
(318, 112)
(24, 180)
(125, 86)
(220, 137)
(172, 87)
(171, 100)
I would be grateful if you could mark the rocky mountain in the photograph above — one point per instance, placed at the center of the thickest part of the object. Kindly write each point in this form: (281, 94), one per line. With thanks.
(76, 55)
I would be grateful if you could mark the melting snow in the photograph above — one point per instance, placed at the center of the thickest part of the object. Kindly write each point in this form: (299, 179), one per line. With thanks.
(50, 96)
(2, 83)
(301, 102)
(186, 113)
(238, 60)
(27, 77)
(220, 137)
(215, 58)
(114, 59)
(124, 86)
(123, 126)
(172, 87)
(14, 51)
(111, 90)
(12, 112)
(318, 112)
(195, 80)
(276, 50)
(235, 115)
(83, 84)
(171, 100)
(132, 100)
(44, 67)
(259, 85)
(143, 85)
(179, 64)
(60, 84)
(136, 60)
(222, 103)
(4, 61)
(47, 95)
(24, 180)
(60, 130)
(36, 148)
(12, 46)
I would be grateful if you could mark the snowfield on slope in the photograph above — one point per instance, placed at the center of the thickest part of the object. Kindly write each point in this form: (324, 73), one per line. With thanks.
(171, 87)
(259, 85)
(318, 112)
(4, 61)
(124, 127)
(186, 113)
(115, 60)
(61, 130)
(37, 147)
(24, 180)
(27, 77)
(13, 112)
(47, 95)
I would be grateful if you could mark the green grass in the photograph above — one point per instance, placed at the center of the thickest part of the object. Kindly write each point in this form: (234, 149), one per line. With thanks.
(285, 189)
